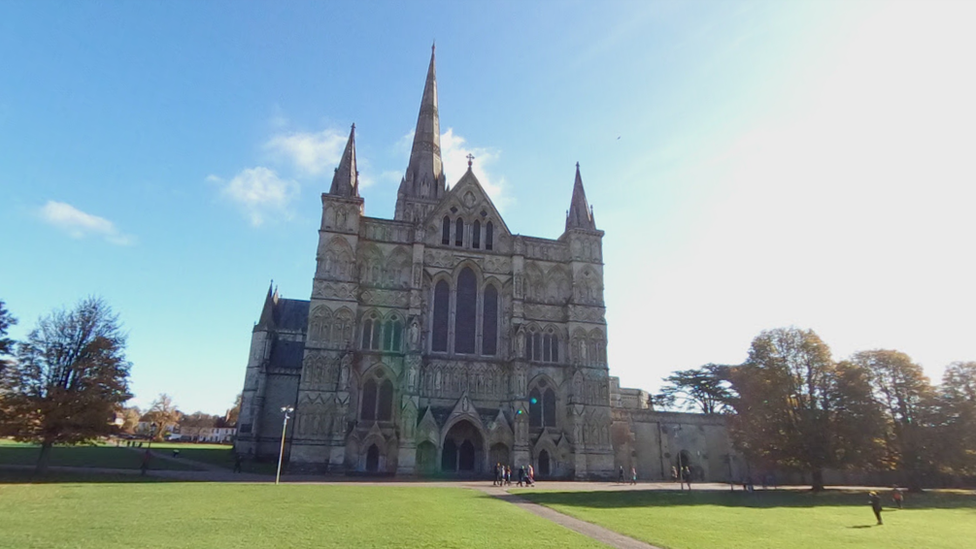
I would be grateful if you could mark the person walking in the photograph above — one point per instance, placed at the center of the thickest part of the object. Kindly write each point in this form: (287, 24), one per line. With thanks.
(521, 475)
(897, 497)
(531, 481)
(633, 475)
(620, 475)
(875, 501)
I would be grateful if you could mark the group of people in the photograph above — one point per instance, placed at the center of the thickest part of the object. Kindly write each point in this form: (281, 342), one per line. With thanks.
(897, 497)
(633, 475)
(682, 475)
(525, 476)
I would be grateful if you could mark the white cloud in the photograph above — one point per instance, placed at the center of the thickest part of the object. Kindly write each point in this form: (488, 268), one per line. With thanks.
(454, 153)
(260, 193)
(311, 154)
(79, 224)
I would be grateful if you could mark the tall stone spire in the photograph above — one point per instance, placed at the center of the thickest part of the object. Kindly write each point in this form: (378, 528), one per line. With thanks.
(580, 214)
(345, 182)
(424, 178)
(267, 321)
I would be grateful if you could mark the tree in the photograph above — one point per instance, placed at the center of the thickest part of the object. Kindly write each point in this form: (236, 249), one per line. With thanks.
(705, 389)
(70, 376)
(164, 414)
(130, 419)
(908, 402)
(234, 412)
(957, 396)
(859, 423)
(6, 344)
(191, 425)
(782, 411)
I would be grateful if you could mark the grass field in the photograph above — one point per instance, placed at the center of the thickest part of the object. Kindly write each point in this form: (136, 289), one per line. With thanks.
(12, 453)
(773, 520)
(171, 515)
(221, 455)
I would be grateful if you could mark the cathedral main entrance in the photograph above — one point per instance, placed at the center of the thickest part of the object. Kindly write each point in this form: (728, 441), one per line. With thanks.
(463, 450)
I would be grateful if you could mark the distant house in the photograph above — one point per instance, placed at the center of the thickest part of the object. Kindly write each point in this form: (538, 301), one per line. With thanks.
(218, 435)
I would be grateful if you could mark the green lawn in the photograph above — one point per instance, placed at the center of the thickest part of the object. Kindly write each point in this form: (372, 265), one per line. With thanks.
(773, 520)
(171, 515)
(221, 455)
(12, 453)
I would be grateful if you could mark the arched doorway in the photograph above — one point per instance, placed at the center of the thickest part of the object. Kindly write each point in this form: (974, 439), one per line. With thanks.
(463, 450)
(544, 463)
(426, 457)
(373, 459)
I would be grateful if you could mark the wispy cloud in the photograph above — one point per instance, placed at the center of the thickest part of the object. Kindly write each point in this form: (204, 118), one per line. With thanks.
(454, 153)
(78, 224)
(310, 154)
(260, 193)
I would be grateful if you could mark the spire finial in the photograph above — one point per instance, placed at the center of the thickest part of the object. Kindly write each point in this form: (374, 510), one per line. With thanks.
(470, 158)
(577, 166)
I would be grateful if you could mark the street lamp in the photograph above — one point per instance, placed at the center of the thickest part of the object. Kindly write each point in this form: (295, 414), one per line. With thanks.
(281, 453)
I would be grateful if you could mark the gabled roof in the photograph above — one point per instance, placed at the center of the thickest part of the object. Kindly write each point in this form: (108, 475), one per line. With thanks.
(467, 186)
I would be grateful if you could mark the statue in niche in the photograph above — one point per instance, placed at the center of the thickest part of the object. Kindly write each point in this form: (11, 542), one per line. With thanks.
(344, 368)
(413, 339)
(520, 342)
(578, 385)
(341, 218)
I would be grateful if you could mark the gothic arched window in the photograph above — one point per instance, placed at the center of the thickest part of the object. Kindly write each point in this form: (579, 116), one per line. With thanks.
(489, 236)
(446, 231)
(459, 232)
(466, 311)
(369, 400)
(489, 322)
(549, 408)
(392, 334)
(384, 410)
(372, 329)
(550, 346)
(442, 295)
(476, 234)
(535, 408)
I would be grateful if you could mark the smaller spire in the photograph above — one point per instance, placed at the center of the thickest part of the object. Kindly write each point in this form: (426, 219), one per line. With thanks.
(345, 182)
(267, 312)
(580, 215)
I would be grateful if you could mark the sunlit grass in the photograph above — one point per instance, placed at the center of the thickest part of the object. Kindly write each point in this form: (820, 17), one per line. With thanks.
(773, 520)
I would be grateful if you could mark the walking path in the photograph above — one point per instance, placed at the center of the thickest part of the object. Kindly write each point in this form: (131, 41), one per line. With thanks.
(599, 533)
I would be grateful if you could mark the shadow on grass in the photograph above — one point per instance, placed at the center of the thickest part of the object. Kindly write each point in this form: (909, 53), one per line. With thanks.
(109, 457)
(672, 498)
(28, 477)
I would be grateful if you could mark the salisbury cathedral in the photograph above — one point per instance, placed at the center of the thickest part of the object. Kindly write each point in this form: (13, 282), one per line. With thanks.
(441, 342)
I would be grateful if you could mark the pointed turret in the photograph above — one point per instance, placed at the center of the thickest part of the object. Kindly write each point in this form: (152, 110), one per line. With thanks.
(267, 313)
(424, 178)
(580, 214)
(345, 182)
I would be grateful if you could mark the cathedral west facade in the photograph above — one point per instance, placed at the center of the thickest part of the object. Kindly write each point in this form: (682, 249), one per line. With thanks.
(440, 342)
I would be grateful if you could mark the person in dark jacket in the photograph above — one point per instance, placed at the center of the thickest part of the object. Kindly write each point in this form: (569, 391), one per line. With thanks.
(875, 500)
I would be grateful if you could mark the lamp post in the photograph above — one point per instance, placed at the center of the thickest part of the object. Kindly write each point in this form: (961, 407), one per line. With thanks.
(281, 453)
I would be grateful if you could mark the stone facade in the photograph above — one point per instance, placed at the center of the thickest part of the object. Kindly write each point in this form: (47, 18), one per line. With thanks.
(439, 341)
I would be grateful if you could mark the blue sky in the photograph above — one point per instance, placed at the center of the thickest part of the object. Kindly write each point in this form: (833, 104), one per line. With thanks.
(754, 164)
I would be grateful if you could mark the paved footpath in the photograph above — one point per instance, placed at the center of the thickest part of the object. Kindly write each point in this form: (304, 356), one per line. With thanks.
(599, 533)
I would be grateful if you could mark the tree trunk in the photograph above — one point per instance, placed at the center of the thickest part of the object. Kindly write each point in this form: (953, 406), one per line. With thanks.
(816, 480)
(44, 459)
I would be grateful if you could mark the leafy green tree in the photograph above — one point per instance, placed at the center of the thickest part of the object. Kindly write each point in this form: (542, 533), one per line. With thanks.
(6, 344)
(784, 409)
(908, 401)
(704, 389)
(70, 376)
(957, 396)
(858, 424)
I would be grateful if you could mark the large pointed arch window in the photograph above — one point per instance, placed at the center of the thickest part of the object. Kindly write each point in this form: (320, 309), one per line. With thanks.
(372, 330)
(476, 234)
(392, 334)
(368, 408)
(446, 231)
(489, 322)
(384, 408)
(535, 408)
(466, 312)
(459, 232)
(442, 296)
(489, 236)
